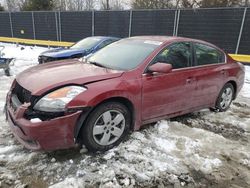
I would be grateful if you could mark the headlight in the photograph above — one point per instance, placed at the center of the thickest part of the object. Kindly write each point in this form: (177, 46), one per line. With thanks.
(58, 99)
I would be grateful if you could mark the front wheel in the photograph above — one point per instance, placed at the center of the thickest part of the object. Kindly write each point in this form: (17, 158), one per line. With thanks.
(225, 97)
(106, 126)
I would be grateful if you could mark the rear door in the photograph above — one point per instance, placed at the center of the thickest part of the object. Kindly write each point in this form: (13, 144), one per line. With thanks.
(165, 94)
(210, 73)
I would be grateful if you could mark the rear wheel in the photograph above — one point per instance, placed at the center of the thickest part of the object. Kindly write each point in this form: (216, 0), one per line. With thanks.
(225, 97)
(106, 126)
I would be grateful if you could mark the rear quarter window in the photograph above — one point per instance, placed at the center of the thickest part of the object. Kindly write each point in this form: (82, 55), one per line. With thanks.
(206, 55)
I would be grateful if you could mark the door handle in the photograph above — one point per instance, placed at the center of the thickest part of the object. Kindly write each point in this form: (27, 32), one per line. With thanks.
(190, 80)
(223, 71)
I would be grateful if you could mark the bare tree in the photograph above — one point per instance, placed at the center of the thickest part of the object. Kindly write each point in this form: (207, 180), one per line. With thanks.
(14, 5)
(60, 5)
(105, 4)
(246, 3)
(117, 5)
(157, 4)
(190, 3)
(74, 5)
(113, 4)
(152, 4)
(89, 4)
(220, 3)
(11, 6)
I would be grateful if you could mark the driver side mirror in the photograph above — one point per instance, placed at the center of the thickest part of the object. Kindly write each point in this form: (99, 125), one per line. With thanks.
(160, 68)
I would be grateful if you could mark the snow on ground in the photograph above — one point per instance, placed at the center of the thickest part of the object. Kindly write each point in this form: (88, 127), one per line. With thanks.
(202, 149)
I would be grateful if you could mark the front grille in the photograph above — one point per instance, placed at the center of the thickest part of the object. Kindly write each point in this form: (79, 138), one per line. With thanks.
(22, 94)
(31, 113)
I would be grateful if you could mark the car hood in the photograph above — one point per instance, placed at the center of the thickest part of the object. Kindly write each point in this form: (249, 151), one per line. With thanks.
(62, 52)
(42, 78)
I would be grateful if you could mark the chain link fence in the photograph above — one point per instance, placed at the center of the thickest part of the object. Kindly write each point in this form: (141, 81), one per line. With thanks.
(229, 28)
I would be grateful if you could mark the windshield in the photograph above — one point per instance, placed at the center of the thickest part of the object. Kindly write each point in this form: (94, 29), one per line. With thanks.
(86, 43)
(125, 54)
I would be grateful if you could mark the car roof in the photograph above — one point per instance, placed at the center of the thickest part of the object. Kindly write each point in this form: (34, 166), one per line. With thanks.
(155, 38)
(105, 37)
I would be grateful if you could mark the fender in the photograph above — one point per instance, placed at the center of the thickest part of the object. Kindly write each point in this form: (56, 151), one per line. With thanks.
(86, 111)
(99, 92)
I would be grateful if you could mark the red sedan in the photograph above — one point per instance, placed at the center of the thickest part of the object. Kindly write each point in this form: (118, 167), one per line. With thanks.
(129, 83)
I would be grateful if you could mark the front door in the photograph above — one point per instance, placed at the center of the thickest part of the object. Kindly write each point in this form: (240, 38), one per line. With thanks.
(165, 94)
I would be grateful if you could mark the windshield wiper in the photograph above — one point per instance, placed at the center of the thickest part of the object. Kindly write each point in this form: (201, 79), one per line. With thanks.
(96, 64)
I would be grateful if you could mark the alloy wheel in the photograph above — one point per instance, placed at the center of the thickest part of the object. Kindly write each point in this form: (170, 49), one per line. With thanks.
(108, 127)
(226, 98)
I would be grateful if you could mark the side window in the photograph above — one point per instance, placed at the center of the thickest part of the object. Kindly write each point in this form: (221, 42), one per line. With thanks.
(105, 43)
(206, 55)
(178, 54)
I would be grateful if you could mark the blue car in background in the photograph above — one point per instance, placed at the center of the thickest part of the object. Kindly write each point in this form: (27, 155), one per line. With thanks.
(80, 49)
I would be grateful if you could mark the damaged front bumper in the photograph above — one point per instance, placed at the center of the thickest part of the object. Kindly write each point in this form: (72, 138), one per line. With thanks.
(50, 134)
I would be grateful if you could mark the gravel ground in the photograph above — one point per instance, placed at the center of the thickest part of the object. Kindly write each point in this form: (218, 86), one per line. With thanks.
(201, 149)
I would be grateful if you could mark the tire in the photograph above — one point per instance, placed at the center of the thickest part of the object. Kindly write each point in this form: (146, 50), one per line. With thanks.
(225, 98)
(106, 126)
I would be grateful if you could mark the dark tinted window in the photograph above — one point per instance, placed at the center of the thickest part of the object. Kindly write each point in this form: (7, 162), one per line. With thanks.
(208, 55)
(178, 54)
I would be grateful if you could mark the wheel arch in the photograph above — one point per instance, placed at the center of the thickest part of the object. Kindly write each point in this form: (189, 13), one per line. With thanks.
(123, 100)
(235, 87)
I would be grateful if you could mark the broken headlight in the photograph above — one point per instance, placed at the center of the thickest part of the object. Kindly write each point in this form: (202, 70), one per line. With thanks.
(57, 100)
